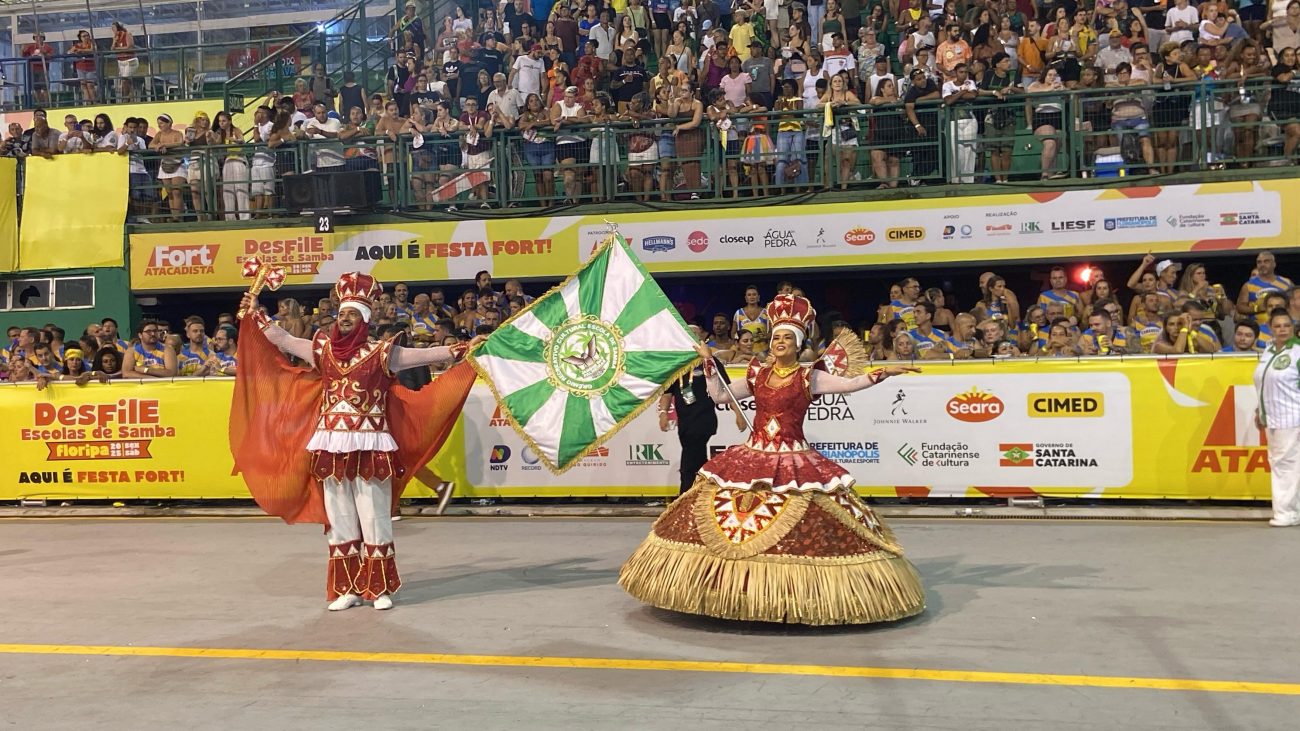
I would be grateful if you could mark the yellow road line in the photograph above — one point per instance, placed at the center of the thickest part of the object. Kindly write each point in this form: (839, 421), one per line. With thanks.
(696, 666)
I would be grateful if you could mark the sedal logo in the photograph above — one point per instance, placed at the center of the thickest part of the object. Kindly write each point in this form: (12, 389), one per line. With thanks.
(975, 406)
(859, 236)
(698, 241)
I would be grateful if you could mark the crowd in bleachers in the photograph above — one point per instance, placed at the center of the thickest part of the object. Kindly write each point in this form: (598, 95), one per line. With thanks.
(530, 104)
(1162, 308)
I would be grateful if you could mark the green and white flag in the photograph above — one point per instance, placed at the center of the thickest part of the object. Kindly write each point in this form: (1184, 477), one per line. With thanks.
(585, 358)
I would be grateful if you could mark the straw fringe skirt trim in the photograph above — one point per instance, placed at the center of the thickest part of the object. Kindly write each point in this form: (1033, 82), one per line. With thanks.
(757, 555)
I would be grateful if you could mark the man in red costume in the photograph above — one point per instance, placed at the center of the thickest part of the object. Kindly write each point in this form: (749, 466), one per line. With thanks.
(336, 446)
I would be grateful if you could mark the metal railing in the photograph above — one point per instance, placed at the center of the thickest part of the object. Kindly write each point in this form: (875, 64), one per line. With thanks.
(355, 39)
(193, 71)
(1022, 139)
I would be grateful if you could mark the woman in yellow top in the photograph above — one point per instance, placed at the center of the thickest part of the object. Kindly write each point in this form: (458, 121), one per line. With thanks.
(791, 156)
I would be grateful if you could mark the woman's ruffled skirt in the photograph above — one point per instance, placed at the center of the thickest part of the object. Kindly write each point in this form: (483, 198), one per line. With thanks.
(807, 557)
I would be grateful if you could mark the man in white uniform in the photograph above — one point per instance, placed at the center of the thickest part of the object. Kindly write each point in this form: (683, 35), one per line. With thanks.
(1277, 380)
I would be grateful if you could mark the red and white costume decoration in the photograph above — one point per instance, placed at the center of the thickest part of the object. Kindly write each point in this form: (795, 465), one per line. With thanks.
(354, 456)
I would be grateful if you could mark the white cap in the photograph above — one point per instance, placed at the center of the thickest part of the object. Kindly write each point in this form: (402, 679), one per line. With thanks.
(1165, 264)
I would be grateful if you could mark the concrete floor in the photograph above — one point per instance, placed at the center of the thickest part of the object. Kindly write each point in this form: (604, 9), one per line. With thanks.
(1149, 600)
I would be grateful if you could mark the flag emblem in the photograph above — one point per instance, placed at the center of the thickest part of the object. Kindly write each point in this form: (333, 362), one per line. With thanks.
(584, 359)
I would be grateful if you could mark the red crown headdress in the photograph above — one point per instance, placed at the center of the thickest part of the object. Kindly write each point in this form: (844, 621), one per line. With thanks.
(791, 311)
(359, 290)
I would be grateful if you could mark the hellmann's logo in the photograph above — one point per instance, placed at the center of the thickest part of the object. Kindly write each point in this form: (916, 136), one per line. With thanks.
(975, 406)
(182, 259)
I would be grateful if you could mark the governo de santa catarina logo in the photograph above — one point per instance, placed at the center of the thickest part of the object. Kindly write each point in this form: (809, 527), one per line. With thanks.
(585, 356)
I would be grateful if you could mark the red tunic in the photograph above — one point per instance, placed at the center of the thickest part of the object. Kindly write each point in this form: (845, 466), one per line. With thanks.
(352, 436)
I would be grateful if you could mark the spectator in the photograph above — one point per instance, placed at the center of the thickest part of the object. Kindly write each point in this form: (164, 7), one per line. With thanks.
(224, 360)
(127, 62)
(321, 87)
(1047, 120)
(924, 121)
(148, 357)
(42, 140)
(477, 146)
(323, 126)
(198, 137)
(843, 133)
(931, 343)
(1245, 338)
(196, 350)
(73, 139)
(605, 36)
(172, 174)
(38, 68)
(84, 50)
(750, 315)
(1263, 280)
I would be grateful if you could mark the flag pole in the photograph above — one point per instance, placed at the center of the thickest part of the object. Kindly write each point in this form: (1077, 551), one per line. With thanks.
(735, 402)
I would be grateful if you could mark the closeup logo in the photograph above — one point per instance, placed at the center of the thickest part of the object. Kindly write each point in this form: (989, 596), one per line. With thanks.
(905, 233)
(975, 406)
(500, 453)
(859, 236)
(909, 454)
(1016, 455)
(698, 241)
(659, 244)
(1048, 405)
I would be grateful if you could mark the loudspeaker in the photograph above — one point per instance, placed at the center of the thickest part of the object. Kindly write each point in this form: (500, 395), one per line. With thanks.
(300, 193)
(357, 190)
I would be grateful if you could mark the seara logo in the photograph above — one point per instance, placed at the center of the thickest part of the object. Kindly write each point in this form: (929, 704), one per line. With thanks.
(859, 236)
(975, 406)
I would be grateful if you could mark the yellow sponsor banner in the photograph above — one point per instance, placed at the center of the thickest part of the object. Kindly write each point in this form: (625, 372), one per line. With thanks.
(8, 214)
(1104, 222)
(74, 212)
(1143, 428)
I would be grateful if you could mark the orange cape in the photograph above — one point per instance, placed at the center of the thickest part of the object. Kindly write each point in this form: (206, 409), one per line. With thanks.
(274, 411)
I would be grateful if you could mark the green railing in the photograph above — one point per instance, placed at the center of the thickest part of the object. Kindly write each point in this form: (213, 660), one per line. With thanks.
(355, 39)
(193, 71)
(1025, 138)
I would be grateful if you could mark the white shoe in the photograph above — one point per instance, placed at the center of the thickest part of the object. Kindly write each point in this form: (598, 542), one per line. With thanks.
(384, 602)
(1281, 523)
(397, 517)
(347, 601)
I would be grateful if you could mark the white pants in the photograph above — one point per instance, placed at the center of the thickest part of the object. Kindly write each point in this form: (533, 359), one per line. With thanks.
(1284, 461)
(963, 132)
(359, 510)
(235, 188)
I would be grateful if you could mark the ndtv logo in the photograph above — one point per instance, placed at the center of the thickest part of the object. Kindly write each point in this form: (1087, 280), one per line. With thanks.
(975, 406)
(859, 236)
(1057, 405)
(905, 233)
(185, 255)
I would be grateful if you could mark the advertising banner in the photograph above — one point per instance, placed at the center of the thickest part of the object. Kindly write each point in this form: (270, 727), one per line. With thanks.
(63, 227)
(1122, 221)
(1137, 428)
(8, 214)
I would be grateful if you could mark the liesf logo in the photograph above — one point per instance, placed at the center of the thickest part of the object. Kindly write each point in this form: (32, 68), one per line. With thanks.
(659, 244)
(975, 406)
(859, 236)
(698, 241)
(1056, 405)
(905, 233)
(182, 259)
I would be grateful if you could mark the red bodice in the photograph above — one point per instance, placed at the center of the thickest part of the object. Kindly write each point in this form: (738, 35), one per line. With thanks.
(356, 392)
(780, 411)
(777, 456)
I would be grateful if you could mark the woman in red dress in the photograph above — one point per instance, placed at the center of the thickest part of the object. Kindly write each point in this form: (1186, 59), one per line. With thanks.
(772, 530)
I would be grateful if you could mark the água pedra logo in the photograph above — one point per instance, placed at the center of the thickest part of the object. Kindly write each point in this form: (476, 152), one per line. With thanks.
(585, 356)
